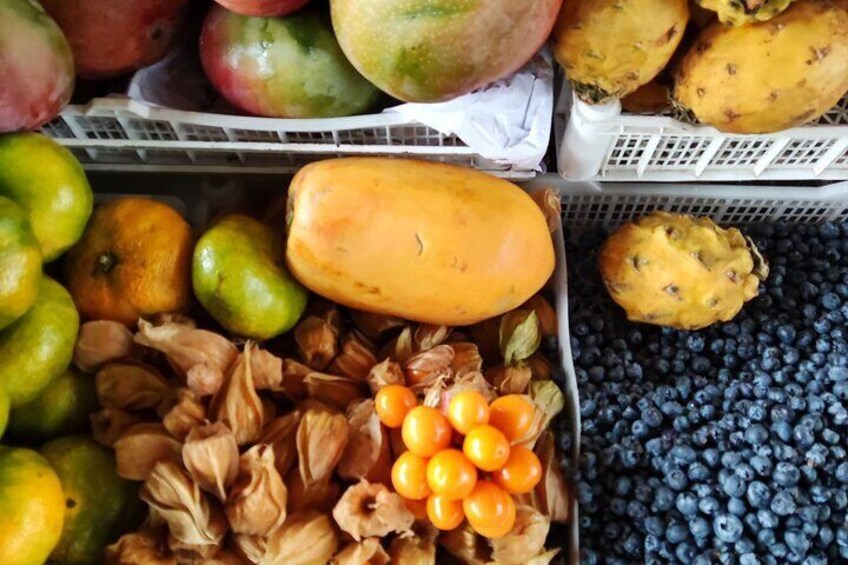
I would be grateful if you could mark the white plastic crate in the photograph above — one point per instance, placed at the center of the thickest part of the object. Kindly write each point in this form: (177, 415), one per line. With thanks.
(604, 143)
(121, 135)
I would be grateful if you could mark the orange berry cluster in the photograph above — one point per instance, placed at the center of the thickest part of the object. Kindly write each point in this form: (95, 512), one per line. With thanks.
(474, 483)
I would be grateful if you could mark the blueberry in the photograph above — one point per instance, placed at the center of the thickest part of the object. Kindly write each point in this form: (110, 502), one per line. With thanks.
(676, 532)
(782, 503)
(655, 526)
(767, 518)
(796, 541)
(683, 454)
(831, 301)
(684, 552)
(758, 494)
(708, 505)
(736, 506)
(761, 465)
(842, 472)
(636, 510)
(687, 504)
(727, 528)
(711, 457)
(664, 498)
(676, 479)
(733, 486)
(745, 472)
(786, 474)
(748, 559)
(765, 537)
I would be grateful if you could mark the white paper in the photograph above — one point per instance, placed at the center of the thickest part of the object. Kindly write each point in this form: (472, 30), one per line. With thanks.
(509, 121)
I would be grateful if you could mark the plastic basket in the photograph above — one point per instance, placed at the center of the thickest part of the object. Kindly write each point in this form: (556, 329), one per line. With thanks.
(600, 142)
(121, 135)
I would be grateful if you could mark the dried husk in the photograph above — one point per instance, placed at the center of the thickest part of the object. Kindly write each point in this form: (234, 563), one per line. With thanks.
(334, 390)
(294, 375)
(204, 380)
(464, 544)
(367, 552)
(458, 336)
(188, 553)
(470, 381)
(371, 510)
(225, 557)
(175, 498)
(256, 504)
(163, 318)
(269, 409)
(434, 394)
(383, 374)
(139, 548)
(549, 401)
(520, 335)
(418, 549)
(267, 370)
(281, 435)
(466, 359)
(545, 313)
(252, 548)
(237, 404)
(374, 325)
(540, 368)
(510, 379)
(428, 336)
(486, 335)
(109, 424)
(356, 358)
(317, 342)
(130, 385)
(321, 440)
(100, 342)
(545, 558)
(212, 458)
(326, 310)
(423, 369)
(307, 538)
(186, 347)
(551, 206)
(186, 414)
(367, 444)
(525, 540)
(552, 496)
(399, 349)
(142, 447)
(321, 496)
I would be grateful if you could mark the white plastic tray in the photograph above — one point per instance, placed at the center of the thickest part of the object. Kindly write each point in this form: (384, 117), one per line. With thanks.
(601, 142)
(124, 135)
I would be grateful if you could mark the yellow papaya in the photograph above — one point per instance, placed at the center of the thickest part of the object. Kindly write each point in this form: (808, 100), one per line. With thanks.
(428, 242)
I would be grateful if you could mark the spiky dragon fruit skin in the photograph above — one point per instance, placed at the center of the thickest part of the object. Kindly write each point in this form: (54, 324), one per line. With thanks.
(113, 37)
(768, 76)
(263, 7)
(609, 48)
(36, 66)
(736, 12)
(680, 271)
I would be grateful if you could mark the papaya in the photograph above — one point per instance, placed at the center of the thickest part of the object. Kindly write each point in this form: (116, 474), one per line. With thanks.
(429, 242)
(436, 50)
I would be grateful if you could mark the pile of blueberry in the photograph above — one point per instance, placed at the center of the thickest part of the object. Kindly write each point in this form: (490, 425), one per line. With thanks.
(726, 445)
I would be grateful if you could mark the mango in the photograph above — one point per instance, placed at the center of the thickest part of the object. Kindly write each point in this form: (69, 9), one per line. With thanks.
(435, 50)
(37, 66)
(289, 67)
(263, 7)
(113, 37)
(20, 263)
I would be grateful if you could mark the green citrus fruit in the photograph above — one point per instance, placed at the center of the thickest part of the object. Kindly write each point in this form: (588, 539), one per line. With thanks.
(100, 506)
(32, 507)
(49, 183)
(39, 346)
(20, 263)
(240, 277)
(4, 410)
(61, 409)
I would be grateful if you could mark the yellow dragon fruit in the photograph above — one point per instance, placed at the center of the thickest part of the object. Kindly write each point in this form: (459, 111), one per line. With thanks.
(680, 271)
(609, 48)
(768, 76)
(738, 12)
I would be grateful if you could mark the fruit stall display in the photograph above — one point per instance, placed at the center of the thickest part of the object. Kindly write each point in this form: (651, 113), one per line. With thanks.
(758, 93)
(273, 389)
